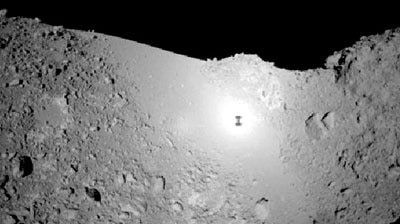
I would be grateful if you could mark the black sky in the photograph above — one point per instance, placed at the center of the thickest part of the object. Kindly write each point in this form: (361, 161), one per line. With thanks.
(296, 41)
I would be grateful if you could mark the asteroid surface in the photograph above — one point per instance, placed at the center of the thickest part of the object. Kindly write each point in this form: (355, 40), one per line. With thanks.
(99, 129)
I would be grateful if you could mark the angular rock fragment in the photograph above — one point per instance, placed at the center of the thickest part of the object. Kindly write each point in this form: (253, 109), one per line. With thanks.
(15, 82)
(314, 127)
(127, 208)
(4, 40)
(69, 214)
(120, 179)
(394, 171)
(129, 177)
(329, 120)
(158, 184)
(261, 209)
(9, 219)
(3, 180)
(3, 12)
(123, 215)
(177, 206)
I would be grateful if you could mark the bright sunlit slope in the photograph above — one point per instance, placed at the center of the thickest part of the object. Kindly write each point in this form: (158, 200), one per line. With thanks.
(219, 108)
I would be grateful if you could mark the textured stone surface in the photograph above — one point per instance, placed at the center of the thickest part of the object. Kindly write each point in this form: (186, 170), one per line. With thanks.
(97, 129)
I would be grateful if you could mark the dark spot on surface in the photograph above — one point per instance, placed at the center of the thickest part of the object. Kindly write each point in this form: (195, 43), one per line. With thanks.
(93, 193)
(238, 123)
(26, 166)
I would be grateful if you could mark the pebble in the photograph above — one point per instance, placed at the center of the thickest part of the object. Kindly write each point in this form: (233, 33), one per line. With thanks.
(130, 209)
(394, 171)
(129, 178)
(15, 82)
(123, 215)
(3, 180)
(120, 179)
(261, 209)
(96, 128)
(158, 184)
(3, 12)
(177, 206)
(40, 155)
(11, 154)
(17, 171)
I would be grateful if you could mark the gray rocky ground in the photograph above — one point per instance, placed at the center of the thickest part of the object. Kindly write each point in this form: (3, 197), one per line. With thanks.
(97, 129)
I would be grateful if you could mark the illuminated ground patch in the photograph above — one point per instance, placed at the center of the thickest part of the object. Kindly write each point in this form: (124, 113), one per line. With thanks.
(236, 117)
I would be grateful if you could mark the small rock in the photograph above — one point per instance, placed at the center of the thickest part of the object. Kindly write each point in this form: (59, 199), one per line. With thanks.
(13, 190)
(394, 171)
(120, 179)
(329, 120)
(141, 205)
(3, 13)
(69, 214)
(129, 209)
(40, 155)
(92, 129)
(109, 80)
(4, 196)
(12, 68)
(123, 215)
(11, 154)
(177, 206)
(3, 180)
(194, 199)
(314, 128)
(129, 177)
(15, 82)
(261, 209)
(158, 184)
(9, 219)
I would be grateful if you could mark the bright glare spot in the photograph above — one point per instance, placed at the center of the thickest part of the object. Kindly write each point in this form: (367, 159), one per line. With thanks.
(236, 117)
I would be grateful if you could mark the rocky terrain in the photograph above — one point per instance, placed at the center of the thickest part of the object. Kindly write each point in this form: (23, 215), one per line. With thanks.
(98, 129)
